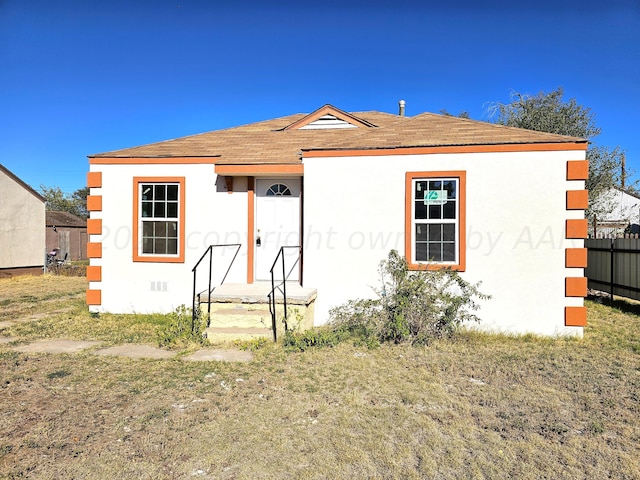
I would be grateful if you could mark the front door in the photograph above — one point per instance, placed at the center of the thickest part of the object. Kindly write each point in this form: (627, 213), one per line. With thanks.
(277, 221)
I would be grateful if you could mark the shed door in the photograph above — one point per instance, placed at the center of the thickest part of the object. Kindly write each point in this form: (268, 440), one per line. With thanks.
(277, 224)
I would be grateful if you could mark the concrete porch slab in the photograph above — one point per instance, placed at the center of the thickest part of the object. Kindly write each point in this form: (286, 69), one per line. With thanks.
(221, 355)
(257, 293)
(135, 351)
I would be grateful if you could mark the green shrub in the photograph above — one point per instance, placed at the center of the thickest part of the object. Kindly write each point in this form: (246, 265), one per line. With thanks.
(412, 306)
(179, 331)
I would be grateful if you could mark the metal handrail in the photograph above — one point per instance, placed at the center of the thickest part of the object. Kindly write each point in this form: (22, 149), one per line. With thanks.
(209, 251)
(272, 297)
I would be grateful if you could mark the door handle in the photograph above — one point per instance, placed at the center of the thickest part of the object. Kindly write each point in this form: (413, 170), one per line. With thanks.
(258, 241)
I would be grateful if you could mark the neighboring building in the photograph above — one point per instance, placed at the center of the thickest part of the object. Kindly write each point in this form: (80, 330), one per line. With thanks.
(67, 234)
(22, 244)
(503, 205)
(623, 213)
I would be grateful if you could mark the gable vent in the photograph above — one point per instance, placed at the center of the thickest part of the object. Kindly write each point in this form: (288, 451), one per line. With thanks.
(326, 122)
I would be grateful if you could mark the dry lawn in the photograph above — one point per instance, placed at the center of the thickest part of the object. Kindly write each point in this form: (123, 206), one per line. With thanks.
(480, 407)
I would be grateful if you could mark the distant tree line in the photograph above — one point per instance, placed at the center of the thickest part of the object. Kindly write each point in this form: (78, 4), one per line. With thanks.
(58, 201)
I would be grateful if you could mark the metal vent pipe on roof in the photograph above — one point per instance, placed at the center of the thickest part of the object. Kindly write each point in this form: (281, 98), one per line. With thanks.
(401, 105)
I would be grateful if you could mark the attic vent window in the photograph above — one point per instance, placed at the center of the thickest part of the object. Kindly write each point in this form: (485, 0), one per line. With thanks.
(326, 122)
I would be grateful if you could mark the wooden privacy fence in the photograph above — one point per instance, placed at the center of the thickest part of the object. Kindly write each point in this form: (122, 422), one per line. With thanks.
(613, 266)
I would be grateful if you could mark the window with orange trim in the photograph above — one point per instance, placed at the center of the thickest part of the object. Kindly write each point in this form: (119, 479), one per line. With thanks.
(435, 219)
(159, 219)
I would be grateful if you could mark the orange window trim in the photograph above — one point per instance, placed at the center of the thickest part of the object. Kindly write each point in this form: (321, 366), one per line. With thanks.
(94, 226)
(152, 160)
(94, 179)
(577, 169)
(94, 297)
(94, 273)
(261, 169)
(94, 203)
(577, 199)
(575, 286)
(462, 220)
(576, 257)
(251, 209)
(575, 316)
(577, 228)
(526, 147)
(137, 257)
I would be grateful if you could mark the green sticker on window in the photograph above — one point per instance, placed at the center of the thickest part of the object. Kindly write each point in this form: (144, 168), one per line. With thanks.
(435, 197)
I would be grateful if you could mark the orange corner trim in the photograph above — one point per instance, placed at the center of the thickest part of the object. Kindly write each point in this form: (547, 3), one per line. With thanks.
(94, 273)
(94, 297)
(577, 199)
(577, 228)
(94, 226)
(575, 286)
(94, 203)
(94, 249)
(94, 179)
(575, 316)
(577, 169)
(575, 258)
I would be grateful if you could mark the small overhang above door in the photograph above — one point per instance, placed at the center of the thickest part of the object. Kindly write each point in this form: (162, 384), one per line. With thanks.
(261, 170)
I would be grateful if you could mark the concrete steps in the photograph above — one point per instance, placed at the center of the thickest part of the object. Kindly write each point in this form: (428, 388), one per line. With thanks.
(241, 311)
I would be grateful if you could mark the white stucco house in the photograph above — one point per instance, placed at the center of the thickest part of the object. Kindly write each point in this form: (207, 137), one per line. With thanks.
(504, 206)
(622, 207)
(22, 227)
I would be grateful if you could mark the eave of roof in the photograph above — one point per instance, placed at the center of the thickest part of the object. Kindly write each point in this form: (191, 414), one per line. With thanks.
(21, 183)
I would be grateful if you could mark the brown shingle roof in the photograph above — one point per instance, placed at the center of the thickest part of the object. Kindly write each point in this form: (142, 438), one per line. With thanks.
(64, 219)
(268, 142)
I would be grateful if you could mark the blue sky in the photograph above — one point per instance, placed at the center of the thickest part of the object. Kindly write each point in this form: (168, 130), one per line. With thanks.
(83, 77)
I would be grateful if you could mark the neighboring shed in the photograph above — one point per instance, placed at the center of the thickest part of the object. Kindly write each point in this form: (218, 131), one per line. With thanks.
(68, 234)
(22, 218)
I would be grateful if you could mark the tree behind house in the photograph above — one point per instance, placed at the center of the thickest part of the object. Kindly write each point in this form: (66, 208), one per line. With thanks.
(549, 112)
(58, 201)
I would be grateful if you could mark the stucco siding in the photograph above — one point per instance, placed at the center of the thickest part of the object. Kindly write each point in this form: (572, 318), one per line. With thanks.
(354, 212)
(22, 226)
(212, 216)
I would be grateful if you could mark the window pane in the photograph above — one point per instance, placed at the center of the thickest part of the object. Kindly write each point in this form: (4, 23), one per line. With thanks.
(449, 210)
(172, 192)
(450, 187)
(147, 192)
(421, 232)
(172, 210)
(448, 232)
(420, 188)
(158, 210)
(160, 246)
(161, 229)
(172, 229)
(435, 185)
(435, 211)
(435, 233)
(147, 209)
(421, 252)
(435, 255)
(448, 252)
(147, 229)
(147, 245)
(172, 247)
(160, 192)
(420, 210)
